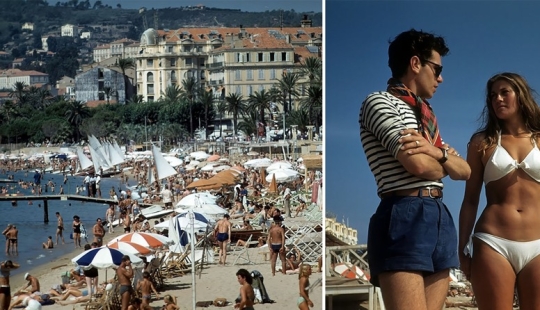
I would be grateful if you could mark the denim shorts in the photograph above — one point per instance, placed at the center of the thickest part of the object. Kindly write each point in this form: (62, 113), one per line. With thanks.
(411, 234)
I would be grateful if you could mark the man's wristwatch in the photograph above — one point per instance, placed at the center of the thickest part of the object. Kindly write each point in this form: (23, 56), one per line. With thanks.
(445, 155)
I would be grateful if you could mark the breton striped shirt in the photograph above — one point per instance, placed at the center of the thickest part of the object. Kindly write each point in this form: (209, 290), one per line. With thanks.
(382, 117)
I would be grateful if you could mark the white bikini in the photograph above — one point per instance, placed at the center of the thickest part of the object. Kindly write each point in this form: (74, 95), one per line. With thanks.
(499, 165)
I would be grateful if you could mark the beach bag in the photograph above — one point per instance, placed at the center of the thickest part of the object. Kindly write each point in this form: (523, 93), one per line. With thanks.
(220, 302)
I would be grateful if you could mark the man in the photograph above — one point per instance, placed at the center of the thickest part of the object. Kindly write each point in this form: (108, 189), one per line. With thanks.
(223, 232)
(87, 184)
(98, 183)
(126, 223)
(410, 261)
(287, 200)
(98, 232)
(33, 284)
(12, 238)
(167, 196)
(109, 215)
(125, 273)
(59, 228)
(146, 288)
(276, 244)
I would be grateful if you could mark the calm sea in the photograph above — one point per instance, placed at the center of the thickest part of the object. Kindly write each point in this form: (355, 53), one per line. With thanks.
(29, 218)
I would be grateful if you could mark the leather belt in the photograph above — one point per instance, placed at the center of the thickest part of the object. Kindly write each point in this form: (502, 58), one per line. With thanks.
(428, 191)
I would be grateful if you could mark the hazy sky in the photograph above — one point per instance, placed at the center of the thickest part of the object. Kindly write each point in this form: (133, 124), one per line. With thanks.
(244, 5)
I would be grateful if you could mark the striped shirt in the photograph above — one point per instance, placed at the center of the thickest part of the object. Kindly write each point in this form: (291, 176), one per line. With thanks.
(382, 117)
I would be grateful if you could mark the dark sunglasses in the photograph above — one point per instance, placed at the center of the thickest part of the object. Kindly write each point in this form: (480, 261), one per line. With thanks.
(437, 69)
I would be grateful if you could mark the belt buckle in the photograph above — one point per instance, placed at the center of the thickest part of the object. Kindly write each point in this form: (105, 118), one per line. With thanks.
(429, 188)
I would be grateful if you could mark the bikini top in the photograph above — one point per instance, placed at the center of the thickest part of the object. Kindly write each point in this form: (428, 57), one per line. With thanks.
(501, 163)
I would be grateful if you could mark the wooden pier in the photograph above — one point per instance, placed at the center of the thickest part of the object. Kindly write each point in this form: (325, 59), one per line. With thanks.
(46, 198)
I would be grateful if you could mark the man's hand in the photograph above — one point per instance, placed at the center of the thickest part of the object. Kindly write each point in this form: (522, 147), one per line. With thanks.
(414, 143)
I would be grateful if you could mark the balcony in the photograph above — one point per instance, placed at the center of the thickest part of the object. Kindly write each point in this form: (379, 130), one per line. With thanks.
(215, 65)
(216, 82)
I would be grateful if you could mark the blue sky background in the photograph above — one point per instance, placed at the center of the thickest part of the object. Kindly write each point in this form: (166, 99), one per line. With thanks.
(484, 37)
(244, 5)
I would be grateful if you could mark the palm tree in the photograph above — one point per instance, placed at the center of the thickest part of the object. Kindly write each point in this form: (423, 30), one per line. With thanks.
(19, 92)
(43, 97)
(312, 68)
(259, 102)
(124, 64)
(299, 118)
(313, 104)
(76, 113)
(221, 108)
(135, 100)
(235, 105)
(248, 125)
(287, 86)
(172, 94)
(189, 91)
(207, 101)
(108, 91)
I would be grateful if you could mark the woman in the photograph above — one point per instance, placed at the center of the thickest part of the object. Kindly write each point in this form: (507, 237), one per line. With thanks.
(170, 303)
(77, 230)
(304, 302)
(5, 292)
(506, 240)
(247, 296)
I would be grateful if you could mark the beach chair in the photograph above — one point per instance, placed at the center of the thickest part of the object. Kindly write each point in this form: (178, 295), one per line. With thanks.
(104, 302)
(176, 264)
(243, 253)
(154, 268)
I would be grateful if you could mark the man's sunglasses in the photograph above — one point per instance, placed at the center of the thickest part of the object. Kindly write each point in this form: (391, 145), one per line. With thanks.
(437, 69)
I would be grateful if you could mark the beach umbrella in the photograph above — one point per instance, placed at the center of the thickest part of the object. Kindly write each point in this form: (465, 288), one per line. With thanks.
(281, 176)
(221, 168)
(350, 271)
(194, 163)
(130, 247)
(104, 257)
(173, 161)
(252, 153)
(208, 210)
(213, 158)
(149, 240)
(197, 199)
(273, 185)
(279, 165)
(208, 167)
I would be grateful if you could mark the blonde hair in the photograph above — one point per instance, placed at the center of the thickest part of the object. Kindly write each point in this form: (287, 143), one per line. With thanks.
(304, 269)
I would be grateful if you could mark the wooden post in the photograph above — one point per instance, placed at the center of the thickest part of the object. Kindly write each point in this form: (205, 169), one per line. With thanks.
(45, 211)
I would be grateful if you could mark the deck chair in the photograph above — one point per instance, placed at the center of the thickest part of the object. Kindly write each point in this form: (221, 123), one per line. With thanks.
(106, 300)
(154, 268)
(243, 253)
(176, 264)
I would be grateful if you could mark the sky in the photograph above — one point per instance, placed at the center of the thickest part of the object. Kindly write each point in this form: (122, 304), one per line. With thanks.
(244, 5)
(484, 37)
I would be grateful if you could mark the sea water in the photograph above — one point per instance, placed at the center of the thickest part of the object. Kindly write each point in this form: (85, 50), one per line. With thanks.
(29, 219)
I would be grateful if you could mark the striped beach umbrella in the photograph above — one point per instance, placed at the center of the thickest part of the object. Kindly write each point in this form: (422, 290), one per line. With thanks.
(104, 257)
(149, 240)
(130, 247)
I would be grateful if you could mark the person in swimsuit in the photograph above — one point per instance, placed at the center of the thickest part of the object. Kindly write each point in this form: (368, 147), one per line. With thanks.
(49, 243)
(276, 243)
(125, 274)
(77, 231)
(12, 236)
(502, 253)
(303, 301)
(5, 233)
(5, 291)
(146, 288)
(247, 296)
(170, 303)
(223, 231)
(60, 228)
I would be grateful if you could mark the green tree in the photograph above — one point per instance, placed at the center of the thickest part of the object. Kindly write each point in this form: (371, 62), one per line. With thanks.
(19, 93)
(313, 104)
(312, 68)
(108, 92)
(76, 113)
(189, 91)
(248, 125)
(287, 86)
(207, 100)
(235, 106)
(260, 102)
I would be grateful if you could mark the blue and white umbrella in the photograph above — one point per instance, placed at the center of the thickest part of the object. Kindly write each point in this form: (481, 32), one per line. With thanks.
(199, 217)
(104, 257)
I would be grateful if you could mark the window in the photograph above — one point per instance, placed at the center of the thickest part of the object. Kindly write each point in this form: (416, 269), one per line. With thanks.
(149, 62)
(237, 75)
(273, 74)
(150, 77)
(261, 74)
(261, 88)
(173, 76)
(201, 62)
(249, 74)
(284, 56)
(150, 98)
(187, 48)
(247, 57)
(101, 96)
(239, 57)
(150, 89)
(170, 49)
(250, 90)
(260, 57)
(189, 61)
(272, 56)
(173, 62)
(238, 90)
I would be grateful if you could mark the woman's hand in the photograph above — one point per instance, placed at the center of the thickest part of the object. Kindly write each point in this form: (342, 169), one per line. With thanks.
(310, 303)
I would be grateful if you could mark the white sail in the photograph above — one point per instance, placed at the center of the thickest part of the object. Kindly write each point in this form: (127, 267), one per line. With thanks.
(119, 150)
(115, 158)
(83, 159)
(164, 169)
(95, 159)
(94, 143)
(151, 178)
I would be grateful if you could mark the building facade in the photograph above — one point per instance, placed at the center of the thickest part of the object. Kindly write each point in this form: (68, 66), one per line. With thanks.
(8, 78)
(123, 48)
(69, 30)
(92, 86)
(341, 231)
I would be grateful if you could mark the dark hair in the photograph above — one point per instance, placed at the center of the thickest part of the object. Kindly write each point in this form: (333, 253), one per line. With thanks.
(87, 247)
(528, 108)
(57, 213)
(413, 43)
(125, 258)
(94, 244)
(245, 274)
(146, 274)
(226, 215)
(76, 217)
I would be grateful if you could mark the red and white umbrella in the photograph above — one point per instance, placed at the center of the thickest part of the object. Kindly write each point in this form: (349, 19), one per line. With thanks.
(350, 271)
(130, 247)
(149, 240)
(213, 158)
